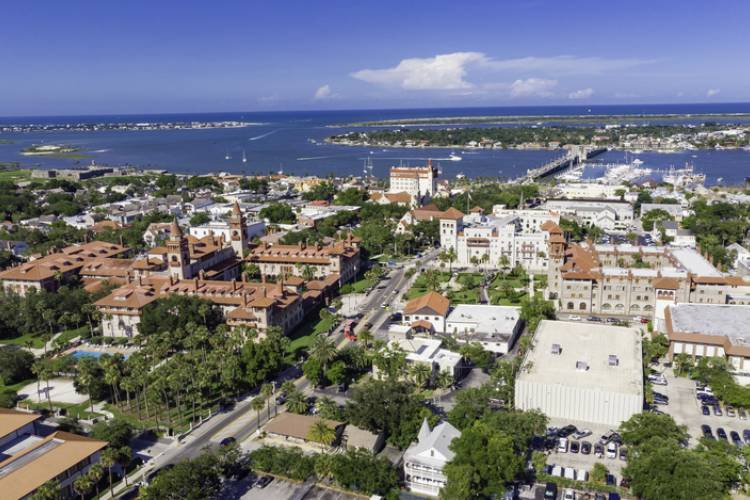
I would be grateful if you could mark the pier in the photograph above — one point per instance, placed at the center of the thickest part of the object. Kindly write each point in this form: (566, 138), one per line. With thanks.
(575, 156)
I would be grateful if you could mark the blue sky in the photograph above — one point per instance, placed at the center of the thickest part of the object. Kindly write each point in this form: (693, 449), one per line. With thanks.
(79, 57)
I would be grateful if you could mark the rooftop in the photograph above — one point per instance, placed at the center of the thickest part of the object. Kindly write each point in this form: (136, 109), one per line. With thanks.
(485, 318)
(713, 319)
(580, 354)
(296, 426)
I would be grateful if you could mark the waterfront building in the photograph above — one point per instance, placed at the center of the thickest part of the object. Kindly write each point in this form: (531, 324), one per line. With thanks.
(588, 190)
(236, 230)
(425, 459)
(419, 182)
(582, 372)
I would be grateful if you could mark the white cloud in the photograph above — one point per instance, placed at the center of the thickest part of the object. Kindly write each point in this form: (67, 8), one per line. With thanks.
(581, 94)
(442, 72)
(712, 92)
(323, 92)
(450, 72)
(532, 87)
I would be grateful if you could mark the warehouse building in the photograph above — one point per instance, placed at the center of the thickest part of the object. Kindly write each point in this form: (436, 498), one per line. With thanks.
(582, 372)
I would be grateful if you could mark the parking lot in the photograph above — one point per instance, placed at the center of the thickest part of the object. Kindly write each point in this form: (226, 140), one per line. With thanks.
(280, 489)
(585, 462)
(685, 408)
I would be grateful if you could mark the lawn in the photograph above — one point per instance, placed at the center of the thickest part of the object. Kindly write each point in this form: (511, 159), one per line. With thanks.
(468, 296)
(303, 336)
(69, 335)
(362, 285)
(37, 342)
(420, 285)
(79, 410)
(14, 175)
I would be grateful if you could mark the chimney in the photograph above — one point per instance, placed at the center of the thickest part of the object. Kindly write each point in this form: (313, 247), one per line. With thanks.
(234, 285)
(195, 281)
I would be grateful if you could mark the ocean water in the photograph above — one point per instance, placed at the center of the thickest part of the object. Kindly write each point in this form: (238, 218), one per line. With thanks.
(292, 142)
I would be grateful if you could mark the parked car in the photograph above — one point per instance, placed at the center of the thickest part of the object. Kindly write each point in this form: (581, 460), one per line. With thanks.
(574, 318)
(595, 319)
(735, 437)
(570, 473)
(575, 446)
(228, 441)
(746, 436)
(717, 410)
(706, 430)
(263, 482)
(721, 433)
(705, 410)
(566, 431)
(623, 453)
(562, 445)
(611, 450)
(657, 379)
(730, 411)
(586, 448)
(281, 399)
(568, 494)
(742, 414)
(550, 491)
(599, 450)
(606, 437)
(581, 434)
(611, 480)
(558, 471)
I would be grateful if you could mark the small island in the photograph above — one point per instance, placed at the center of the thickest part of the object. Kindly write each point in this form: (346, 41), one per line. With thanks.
(54, 151)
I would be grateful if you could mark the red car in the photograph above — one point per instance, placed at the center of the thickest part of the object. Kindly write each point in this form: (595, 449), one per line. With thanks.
(349, 330)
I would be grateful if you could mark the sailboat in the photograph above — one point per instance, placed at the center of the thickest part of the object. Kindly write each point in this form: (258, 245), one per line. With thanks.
(244, 157)
(227, 156)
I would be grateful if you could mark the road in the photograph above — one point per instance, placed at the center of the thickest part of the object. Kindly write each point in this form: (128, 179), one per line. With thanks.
(241, 419)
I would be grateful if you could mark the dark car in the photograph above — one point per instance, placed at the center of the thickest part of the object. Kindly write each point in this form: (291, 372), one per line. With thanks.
(575, 447)
(625, 483)
(717, 411)
(705, 410)
(614, 496)
(598, 449)
(611, 480)
(746, 436)
(735, 437)
(706, 430)
(721, 433)
(263, 482)
(341, 388)
(550, 491)
(623, 453)
(228, 441)
(586, 448)
(566, 431)
(281, 399)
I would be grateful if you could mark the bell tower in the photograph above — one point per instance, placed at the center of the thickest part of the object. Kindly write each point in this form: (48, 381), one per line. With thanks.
(237, 230)
(178, 253)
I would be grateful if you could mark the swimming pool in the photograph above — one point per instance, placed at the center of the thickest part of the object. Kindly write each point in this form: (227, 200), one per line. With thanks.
(91, 354)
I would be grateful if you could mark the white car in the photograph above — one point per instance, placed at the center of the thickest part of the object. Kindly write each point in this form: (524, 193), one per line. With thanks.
(657, 379)
(611, 450)
(562, 445)
(581, 434)
(569, 495)
(574, 318)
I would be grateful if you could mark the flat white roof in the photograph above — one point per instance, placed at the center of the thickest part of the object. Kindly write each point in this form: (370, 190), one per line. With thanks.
(713, 319)
(486, 319)
(592, 345)
(694, 262)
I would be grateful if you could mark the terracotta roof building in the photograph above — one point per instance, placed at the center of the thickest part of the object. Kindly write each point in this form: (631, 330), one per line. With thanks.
(28, 460)
(430, 307)
(341, 258)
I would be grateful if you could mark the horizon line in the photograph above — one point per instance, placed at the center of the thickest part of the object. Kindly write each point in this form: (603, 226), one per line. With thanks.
(366, 109)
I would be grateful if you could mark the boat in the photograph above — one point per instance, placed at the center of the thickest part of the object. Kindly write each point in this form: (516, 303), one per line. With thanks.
(683, 176)
(460, 175)
(454, 157)
(227, 157)
(244, 157)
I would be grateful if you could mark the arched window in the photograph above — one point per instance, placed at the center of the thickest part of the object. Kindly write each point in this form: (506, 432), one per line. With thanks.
(648, 308)
(606, 307)
(635, 308)
(582, 306)
(571, 305)
(619, 307)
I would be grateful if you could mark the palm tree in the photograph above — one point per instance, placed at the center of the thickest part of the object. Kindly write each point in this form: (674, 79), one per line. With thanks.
(86, 376)
(83, 485)
(322, 433)
(109, 459)
(323, 350)
(296, 402)
(48, 491)
(266, 391)
(421, 373)
(328, 408)
(123, 457)
(258, 404)
(444, 380)
(432, 280)
(96, 473)
(308, 273)
(366, 337)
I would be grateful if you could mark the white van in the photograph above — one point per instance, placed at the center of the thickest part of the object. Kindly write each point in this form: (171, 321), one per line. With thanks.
(570, 473)
(558, 471)
(582, 475)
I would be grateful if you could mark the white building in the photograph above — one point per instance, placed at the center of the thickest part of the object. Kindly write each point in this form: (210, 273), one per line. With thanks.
(496, 328)
(425, 459)
(589, 190)
(419, 182)
(708, 330)
(428, 352)
(491, 241)
(532, 219)
(219, 228)
(610, 215)
(582, 372)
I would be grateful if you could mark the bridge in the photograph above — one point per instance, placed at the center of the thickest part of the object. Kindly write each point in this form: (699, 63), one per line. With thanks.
(576, 155)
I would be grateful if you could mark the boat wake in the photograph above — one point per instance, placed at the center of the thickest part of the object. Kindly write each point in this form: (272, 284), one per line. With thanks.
(257, 137)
